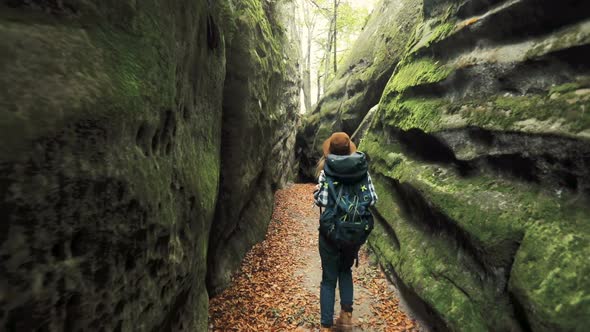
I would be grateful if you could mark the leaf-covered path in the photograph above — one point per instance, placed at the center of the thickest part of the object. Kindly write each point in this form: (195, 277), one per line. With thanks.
(277, 288)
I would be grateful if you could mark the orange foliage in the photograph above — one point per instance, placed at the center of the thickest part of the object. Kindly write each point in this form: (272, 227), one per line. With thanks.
(268, 295)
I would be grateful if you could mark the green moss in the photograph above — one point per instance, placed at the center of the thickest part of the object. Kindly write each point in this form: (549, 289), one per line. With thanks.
(449, 195)
(561, 111)
(330, 107)
(547, 274)
(569, 37)
(388, 49)
(442, 31)
(565, 88)
(139, 73)
(429, 33)
(406, 113)
(558, 112)
(430, 266)
(514, 112)
(550, 279)
(255, 52)
(422, 113)
(475, 201)
(414, 73)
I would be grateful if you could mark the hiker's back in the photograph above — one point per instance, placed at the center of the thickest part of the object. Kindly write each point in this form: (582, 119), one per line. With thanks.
(346, 192)
(347, 221)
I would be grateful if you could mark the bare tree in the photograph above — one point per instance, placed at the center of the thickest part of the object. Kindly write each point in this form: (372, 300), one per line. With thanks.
(327, 54)
(335, 34)
(319, 85)
(309, 21)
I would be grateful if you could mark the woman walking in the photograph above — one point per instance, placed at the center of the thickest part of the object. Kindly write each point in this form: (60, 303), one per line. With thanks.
(345, 191)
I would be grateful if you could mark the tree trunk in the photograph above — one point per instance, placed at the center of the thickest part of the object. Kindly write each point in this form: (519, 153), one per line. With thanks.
(309, 21)
(319, 86)
(307, 72)
(307, 90)
(335, 19)
(327, 55)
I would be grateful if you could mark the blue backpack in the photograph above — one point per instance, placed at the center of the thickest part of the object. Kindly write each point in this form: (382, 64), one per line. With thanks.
(346, 220)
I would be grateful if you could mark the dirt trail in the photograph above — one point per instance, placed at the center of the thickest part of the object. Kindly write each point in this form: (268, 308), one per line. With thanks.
(277, 288)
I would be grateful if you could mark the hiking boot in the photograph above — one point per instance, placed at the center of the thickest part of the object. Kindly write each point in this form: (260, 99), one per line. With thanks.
(325, 329)
(344, 322)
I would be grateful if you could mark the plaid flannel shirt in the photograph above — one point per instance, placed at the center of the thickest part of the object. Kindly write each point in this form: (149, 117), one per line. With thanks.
(320, 195)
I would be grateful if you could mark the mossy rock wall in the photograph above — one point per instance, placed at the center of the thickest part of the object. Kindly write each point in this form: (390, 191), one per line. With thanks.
(111, 122)
(259, 116)
(481, 155)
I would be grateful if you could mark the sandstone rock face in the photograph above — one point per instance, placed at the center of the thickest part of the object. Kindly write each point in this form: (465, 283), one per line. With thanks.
(480, 154)
(259, 116)
(111, 123)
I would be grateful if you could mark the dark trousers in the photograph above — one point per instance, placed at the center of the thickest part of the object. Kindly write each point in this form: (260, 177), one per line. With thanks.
(336, 267)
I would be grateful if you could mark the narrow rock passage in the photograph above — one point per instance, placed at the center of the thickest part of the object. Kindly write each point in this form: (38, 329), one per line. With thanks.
(277, 287)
